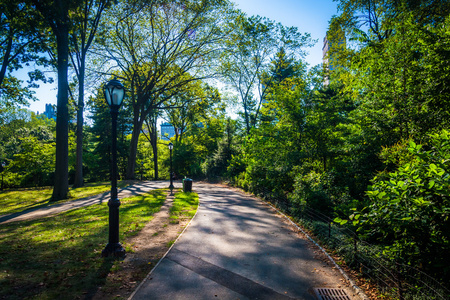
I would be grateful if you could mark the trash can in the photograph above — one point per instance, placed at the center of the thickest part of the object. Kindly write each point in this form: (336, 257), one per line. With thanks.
(187, 185)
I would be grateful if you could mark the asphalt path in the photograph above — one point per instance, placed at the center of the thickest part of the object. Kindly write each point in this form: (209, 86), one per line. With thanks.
(237, 247)
(49, 210)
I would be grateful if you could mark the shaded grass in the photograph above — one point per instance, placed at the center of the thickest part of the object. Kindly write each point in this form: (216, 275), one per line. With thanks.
(184, 204)
(60, 257)
(19, 200)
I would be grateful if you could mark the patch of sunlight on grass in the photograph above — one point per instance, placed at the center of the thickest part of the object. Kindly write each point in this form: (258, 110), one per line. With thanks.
(21, 199)
(61, 255)
(184, 204)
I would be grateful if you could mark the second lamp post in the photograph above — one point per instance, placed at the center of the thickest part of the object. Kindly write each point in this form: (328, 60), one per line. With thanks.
(171, 171)
(114, 94)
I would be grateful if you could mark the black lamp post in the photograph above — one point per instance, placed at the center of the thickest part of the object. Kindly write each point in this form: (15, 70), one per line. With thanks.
(171, 172)
(114, 94)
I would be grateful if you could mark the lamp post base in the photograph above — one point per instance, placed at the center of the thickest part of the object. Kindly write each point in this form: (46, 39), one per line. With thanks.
(115, 250)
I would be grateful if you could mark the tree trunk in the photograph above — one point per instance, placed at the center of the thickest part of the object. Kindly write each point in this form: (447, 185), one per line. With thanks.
(154, 143)
(133, 150)
(247, 119)
(6, 59)
(79, 162)
(153, 139)
(61, 187)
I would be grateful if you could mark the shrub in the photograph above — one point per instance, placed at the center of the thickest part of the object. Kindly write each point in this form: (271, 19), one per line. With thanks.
(410, 210)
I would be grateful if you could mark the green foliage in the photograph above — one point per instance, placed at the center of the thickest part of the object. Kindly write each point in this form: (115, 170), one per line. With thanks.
(34, 164)
(303, 141)
(185, 160)
(216, 165)
(28, 149)
(410, 210)
(271, 150)
(98, 154)
(194, 105)
(160, 49)
(396, 76)
(318, 190)
(260, 52)
(199, 142)
(320, 148)
(21, 37)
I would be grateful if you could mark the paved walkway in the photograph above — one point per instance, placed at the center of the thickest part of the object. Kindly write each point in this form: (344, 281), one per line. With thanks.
(42, 212)
(236, 247)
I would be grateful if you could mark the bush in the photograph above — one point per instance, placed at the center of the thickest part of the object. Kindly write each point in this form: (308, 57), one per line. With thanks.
(319, 191)
(410, 210)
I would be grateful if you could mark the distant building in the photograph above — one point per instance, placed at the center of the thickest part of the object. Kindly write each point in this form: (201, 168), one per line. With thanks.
(325, 49)
(330, 62)
(50, 112)
(167, 131)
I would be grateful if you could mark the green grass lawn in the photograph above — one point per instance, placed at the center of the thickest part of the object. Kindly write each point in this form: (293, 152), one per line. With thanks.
(18, 200)
(60, 257)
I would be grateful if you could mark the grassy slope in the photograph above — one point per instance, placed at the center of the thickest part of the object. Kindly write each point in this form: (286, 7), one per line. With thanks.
(59, 257)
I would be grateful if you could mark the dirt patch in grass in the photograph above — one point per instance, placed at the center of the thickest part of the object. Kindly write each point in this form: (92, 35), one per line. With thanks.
(144, 250)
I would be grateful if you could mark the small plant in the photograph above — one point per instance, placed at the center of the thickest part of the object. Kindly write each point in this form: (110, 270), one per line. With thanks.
(129, 248)
(116, 266)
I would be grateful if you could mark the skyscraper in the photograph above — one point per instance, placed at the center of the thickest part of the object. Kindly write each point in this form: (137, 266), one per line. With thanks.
(332, 42)
(50, 112)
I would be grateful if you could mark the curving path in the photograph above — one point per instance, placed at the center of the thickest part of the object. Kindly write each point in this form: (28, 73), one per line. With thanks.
(237, 247)
(46, 211)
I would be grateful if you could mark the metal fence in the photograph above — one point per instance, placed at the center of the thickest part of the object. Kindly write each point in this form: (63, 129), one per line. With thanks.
(393, 280)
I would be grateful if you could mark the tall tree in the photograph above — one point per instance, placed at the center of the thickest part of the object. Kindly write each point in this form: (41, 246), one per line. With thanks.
(400, 83)
(56, 14)
(159, 47)
(86, 21)
(250, 49)
(191, 106)
(152, 136)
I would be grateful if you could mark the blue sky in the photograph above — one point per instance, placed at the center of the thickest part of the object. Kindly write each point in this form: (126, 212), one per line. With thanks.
(310, 16)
